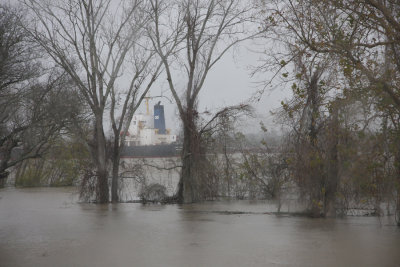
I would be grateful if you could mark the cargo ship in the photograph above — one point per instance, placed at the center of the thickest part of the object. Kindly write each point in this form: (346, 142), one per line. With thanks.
(148, 136)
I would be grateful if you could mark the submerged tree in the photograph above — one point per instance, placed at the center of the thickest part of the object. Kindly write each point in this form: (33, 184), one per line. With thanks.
(190, 37)
(93, 42)
(360, 40)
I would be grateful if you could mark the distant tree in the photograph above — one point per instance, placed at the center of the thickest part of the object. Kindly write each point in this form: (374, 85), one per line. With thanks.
(63, 164)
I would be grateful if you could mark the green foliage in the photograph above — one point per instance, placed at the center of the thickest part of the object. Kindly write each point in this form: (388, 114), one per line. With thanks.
(62, 166)
(31, 176)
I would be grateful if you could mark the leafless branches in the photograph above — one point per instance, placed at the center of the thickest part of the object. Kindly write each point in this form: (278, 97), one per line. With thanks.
(199, 36)
(99, 43)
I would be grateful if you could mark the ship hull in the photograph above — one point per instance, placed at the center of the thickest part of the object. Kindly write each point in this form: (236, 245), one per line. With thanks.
(151, 151)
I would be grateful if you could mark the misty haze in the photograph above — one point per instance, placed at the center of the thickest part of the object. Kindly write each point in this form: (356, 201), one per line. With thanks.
(199, 133)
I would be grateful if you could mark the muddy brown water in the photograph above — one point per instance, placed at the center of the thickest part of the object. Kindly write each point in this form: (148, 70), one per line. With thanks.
(48, 227)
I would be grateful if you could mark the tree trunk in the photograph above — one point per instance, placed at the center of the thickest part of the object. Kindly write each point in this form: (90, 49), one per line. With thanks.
(115, 170)
(187, 183)
(333, 166)
(6, 156)
(101, 162)
(188, 187)
(227, 167)
(397, 212)
(398, 204)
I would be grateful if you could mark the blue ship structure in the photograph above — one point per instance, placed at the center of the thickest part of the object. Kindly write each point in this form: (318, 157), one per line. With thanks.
(149, 137)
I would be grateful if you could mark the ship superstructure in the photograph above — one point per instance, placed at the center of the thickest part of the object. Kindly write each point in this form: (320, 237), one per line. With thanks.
(149, 129)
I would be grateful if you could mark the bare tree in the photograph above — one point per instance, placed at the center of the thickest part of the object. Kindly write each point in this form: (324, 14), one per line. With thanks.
(31, 114)
(13, 76)
(363, 36)
(359, 39)
(144, 67)
(193, 36)
(91, 41)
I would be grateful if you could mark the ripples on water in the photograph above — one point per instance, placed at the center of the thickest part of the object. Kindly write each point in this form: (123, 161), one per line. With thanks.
(47, 227)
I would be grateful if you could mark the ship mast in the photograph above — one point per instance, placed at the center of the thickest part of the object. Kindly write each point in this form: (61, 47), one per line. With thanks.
(147, 104)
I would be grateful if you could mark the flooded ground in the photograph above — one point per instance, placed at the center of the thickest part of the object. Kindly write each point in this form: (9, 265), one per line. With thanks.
(47, 227)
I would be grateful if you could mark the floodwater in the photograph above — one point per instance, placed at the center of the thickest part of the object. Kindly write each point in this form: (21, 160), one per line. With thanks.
(48, 227)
